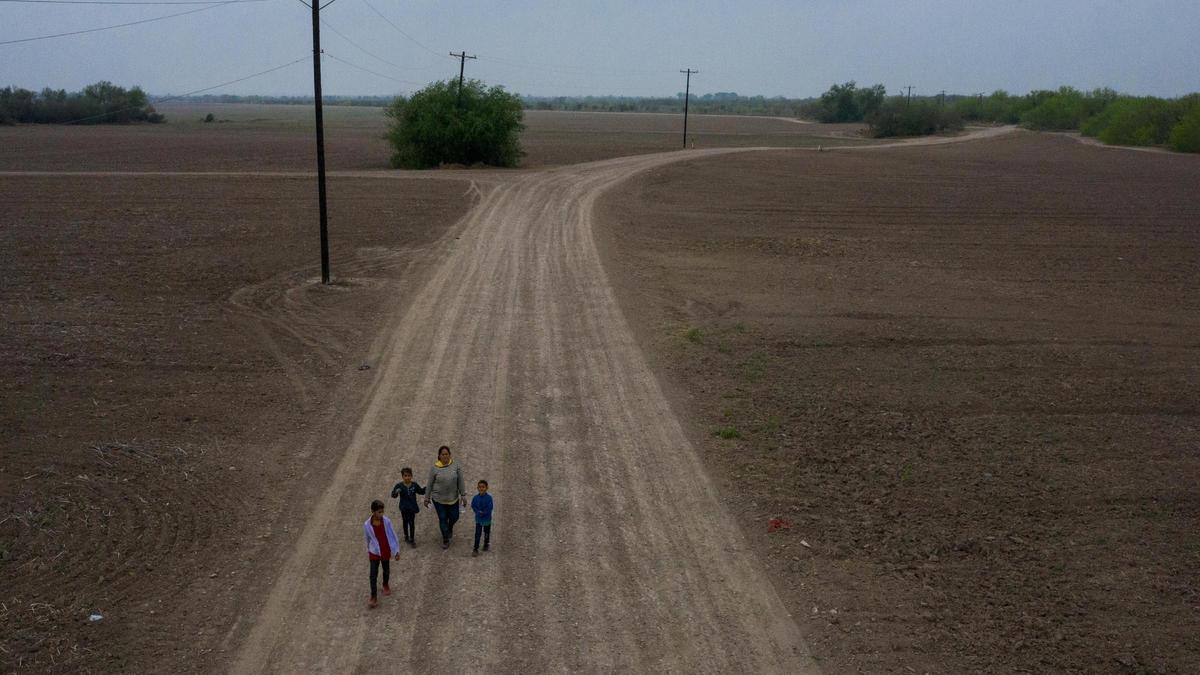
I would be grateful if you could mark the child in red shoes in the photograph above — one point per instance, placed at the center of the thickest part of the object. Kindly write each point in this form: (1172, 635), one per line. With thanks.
(381, 546)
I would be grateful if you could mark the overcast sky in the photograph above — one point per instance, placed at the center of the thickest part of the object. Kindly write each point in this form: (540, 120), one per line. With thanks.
(635, 48)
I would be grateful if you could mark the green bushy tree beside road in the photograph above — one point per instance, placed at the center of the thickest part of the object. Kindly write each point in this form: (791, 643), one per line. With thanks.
(436, 126)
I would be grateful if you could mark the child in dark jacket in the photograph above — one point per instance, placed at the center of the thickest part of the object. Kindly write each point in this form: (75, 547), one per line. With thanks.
(407, 491)
(482, 504)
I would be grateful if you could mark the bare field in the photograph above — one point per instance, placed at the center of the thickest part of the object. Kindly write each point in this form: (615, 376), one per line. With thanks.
(967, 376)
(965, 373)
(165, 351)
(280, 138)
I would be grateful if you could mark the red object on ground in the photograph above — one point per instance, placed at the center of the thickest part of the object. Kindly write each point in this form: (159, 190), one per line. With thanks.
(776, 524)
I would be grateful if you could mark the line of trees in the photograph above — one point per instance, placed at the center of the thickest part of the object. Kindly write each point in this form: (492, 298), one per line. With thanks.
(99, 103)
(1114, 118)
(326, 99)
(896, 116)
(719, 103)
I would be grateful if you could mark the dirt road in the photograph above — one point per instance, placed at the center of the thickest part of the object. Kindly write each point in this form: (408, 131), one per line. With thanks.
(611, 548)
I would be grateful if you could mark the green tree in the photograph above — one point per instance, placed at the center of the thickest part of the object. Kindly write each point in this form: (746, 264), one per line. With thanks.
(840, 104)
(1185, 137)
(434, 126)
(869, 100)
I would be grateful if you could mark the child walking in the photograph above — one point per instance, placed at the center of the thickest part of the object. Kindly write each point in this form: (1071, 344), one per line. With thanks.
(407, 491)
(381, 546)
(481, 504)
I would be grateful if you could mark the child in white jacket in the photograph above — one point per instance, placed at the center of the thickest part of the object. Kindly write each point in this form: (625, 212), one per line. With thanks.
(382, 545)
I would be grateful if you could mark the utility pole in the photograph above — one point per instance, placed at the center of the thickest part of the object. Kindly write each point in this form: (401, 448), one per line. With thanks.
(462, 65)
(687, 94)
(316, 18)
(908, 102)
(942, 98)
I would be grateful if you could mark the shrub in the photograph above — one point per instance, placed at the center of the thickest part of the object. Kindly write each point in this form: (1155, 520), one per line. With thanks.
(433, 127)
(1185, 137)
(1137, 121)
(1065, 109)
(898, 117)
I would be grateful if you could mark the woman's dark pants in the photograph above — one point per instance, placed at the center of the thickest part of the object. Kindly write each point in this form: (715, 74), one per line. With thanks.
(447, 517)
(387, 571)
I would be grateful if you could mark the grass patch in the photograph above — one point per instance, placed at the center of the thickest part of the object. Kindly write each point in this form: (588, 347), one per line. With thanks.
(694, 335)
(727, 433)
(755, 366)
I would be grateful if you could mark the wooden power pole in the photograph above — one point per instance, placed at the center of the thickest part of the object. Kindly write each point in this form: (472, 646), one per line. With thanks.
(316, 32)
(462, 66)
(687, 94)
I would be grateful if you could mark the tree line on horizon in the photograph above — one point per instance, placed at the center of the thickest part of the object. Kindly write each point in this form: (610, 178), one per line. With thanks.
(1105, 114)
(99, 103)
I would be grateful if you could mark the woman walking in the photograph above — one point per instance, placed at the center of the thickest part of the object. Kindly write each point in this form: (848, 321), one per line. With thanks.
(445, 490)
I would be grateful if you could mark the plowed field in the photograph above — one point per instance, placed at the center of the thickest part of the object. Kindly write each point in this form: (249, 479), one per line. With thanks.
(961, 379)
(967, 375)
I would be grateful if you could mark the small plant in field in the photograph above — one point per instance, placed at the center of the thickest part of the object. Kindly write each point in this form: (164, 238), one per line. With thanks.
(739, 327)
(43, 519)
(724, 347)
(209, 118)
(771, 425)
(694, 335)
(906, 472)
(755, 366)
(727, 433)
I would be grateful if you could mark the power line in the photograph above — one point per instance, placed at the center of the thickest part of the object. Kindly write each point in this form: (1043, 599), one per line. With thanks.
(368, 70)
(193, 93)
(563, 69)
(401, 30)
(369, 53)
(134, 2)
(222, 3)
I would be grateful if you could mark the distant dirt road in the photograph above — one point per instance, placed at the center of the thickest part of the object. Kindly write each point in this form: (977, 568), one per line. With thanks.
(612, 549)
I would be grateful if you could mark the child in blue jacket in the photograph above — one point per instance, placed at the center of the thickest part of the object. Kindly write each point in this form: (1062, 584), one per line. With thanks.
(481, 504)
